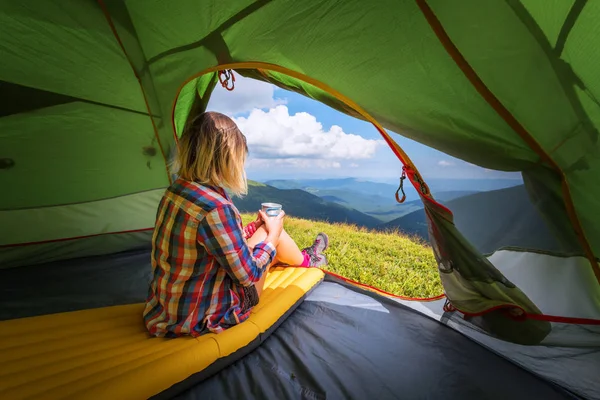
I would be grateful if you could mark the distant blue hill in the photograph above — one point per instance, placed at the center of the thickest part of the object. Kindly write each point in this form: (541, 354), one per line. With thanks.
(387, 190)
(489, 220)
(372, 198)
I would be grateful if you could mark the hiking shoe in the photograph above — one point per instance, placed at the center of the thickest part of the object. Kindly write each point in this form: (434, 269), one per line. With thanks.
(321, 243)
(315, 252)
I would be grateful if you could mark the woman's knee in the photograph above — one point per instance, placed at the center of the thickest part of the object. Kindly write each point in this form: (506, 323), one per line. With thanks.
(257, 237)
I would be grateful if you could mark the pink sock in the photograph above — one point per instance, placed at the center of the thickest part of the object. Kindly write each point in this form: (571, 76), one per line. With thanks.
(306, 262)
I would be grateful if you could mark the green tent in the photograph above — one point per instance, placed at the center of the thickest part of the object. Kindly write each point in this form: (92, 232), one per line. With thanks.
(95, 94)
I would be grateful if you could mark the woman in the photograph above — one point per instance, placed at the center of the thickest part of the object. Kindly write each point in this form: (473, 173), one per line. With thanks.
(207, 270)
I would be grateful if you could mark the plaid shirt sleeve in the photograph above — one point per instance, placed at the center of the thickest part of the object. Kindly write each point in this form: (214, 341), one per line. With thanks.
(249, 230)
(223, 237)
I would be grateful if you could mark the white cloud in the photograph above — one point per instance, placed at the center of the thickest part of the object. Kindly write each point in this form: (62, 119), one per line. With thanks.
(247, 95)
(276, 134)
(287, 143)
(444, 163)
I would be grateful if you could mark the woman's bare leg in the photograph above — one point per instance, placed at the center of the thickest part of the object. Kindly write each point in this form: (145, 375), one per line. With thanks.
(287, 252)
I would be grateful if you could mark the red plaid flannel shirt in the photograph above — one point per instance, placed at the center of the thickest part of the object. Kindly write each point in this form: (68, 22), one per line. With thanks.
(200, 262)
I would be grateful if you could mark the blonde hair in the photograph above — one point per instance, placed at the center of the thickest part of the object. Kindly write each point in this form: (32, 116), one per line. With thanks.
(212, 151)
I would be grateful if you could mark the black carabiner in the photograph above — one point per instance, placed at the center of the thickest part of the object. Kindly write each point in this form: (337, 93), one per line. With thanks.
(401, 188)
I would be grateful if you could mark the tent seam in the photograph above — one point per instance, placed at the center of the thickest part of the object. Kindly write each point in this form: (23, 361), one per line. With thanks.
(85, 201)
(116, 34)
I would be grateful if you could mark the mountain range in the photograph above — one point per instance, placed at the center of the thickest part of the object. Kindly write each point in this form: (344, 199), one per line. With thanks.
(489, 219)
(302, 204)
(377, 199)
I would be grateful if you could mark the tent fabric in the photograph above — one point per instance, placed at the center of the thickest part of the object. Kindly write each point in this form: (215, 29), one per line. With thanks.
(98, 353)
(374, 92)
(574, 368)
(82, 219)
(75, 284)
(563, 277)
(71, 248)
(559, 88)
(335, 356)
(25, 241)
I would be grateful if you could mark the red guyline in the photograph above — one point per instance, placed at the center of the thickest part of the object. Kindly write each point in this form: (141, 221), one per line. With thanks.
(539, 317)
(438, 297)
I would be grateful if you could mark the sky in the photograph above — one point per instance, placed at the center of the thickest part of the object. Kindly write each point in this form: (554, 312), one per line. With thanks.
(293, 137)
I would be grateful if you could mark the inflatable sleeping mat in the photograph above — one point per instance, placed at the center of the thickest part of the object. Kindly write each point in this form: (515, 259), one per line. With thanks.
(106, 353)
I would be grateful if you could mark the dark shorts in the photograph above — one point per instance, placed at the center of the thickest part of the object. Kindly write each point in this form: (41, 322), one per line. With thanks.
(249, 298)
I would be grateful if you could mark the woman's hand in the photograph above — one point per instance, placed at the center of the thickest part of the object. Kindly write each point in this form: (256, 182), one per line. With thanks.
(273, 226)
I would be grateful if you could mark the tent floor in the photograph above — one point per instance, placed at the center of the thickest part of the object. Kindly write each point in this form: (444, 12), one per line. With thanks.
(341, 342)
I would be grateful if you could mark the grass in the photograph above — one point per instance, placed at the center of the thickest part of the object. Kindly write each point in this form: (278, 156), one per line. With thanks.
(392, 262)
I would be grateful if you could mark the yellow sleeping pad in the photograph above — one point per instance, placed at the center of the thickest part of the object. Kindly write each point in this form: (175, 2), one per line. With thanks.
(106, 353)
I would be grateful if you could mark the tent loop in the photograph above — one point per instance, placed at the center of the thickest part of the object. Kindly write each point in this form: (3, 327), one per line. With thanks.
(224, 79)
(417, 178)
(422, 186)
(401, 187)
